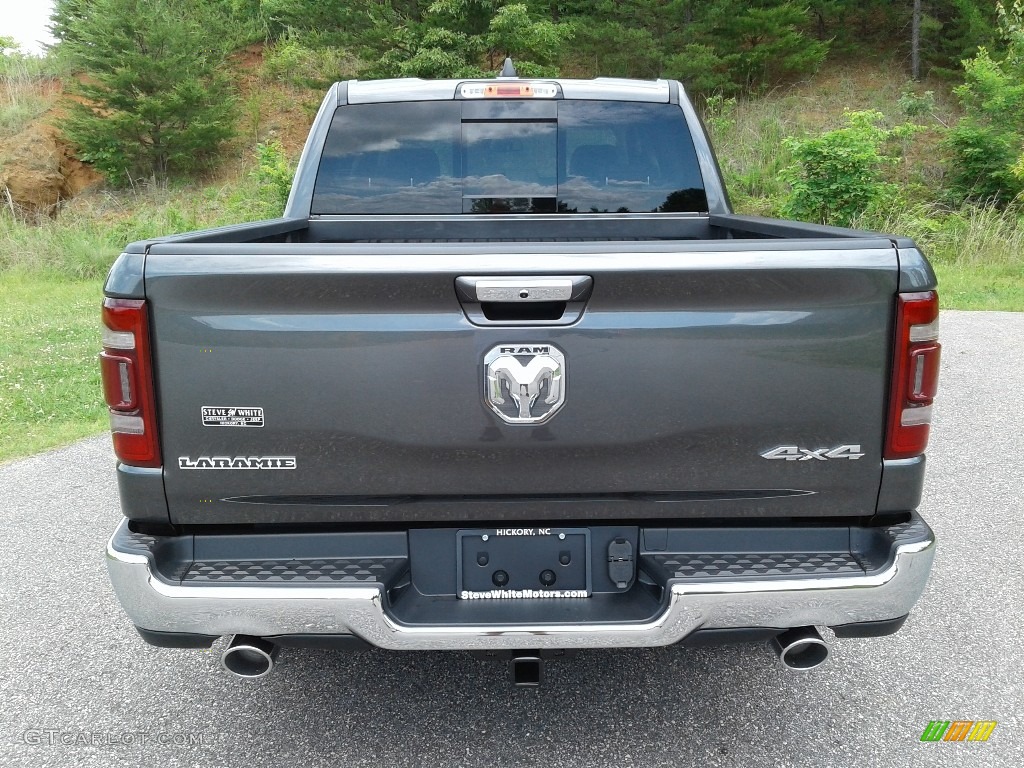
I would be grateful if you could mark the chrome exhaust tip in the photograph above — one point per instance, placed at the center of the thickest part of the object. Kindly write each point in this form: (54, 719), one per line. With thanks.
(801, 648)
(249, 657)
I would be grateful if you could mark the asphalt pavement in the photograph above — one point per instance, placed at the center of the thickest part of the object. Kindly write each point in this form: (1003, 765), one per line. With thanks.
(79, 688)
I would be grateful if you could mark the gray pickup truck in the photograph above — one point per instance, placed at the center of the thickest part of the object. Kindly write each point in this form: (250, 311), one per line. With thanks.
(510, 377)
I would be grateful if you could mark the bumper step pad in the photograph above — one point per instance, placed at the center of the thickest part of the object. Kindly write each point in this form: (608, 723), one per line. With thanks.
(749, 565)
(333, 571)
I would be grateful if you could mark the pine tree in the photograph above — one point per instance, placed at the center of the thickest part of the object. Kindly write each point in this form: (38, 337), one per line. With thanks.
(153, 99)
(723, 45)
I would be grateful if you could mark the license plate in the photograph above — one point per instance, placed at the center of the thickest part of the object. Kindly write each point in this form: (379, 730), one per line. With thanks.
(524, 563)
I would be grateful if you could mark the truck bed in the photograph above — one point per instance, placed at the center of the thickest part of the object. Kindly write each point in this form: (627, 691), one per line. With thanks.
(513, 228)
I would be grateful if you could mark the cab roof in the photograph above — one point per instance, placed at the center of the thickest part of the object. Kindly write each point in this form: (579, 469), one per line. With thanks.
(417, 89)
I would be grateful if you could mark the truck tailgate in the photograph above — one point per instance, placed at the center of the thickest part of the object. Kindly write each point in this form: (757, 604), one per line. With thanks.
(345, 383)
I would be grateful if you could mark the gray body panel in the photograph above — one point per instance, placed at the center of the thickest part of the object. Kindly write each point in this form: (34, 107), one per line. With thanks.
(690, 360)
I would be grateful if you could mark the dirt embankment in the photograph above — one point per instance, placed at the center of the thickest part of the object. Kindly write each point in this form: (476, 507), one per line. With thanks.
(38, 170)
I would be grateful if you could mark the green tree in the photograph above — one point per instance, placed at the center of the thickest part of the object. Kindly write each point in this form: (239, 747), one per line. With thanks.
(462, 38)
(335, 21)
(67, 14)
(950, 30)
(723, 45)
(987, 145)
(154, 99)
(614, 49)
(769, 44)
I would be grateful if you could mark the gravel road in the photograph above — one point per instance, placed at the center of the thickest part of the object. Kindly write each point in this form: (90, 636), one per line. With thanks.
(79, 688)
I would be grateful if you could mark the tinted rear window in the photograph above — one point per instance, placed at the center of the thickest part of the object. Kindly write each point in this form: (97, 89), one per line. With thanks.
(508, 157)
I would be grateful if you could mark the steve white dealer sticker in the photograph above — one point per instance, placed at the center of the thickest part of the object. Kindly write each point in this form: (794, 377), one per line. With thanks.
(232, 417)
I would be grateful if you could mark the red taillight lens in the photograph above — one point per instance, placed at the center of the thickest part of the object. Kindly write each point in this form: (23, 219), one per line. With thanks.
(127, 371)
(915, 374)
(119, 381)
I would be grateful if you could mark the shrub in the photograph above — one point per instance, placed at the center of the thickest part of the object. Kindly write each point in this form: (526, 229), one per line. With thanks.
(988, 143)
(984, 156)
(273, 176)
(719, 115)
(839, 175)
(307, 62)
(917, 105)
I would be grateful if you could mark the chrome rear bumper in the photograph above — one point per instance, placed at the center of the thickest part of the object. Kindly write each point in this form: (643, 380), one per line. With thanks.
(361, 609)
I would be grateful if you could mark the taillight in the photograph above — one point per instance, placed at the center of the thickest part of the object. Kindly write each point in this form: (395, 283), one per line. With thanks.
(127, 371)
(915, 374)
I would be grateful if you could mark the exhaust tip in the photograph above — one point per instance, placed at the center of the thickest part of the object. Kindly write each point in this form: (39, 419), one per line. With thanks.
(249, 657)
(800, 649)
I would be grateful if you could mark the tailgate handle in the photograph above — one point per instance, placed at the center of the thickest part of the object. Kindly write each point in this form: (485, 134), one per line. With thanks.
(524, 300)
(481, 289)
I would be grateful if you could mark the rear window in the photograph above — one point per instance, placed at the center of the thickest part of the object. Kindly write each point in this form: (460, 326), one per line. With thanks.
(509, 157)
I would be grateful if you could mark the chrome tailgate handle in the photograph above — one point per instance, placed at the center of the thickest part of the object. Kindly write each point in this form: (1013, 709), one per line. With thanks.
(534, 289)
(524, 299)
(524, 288)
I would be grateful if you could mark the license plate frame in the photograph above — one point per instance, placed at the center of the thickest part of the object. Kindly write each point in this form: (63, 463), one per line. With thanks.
(523, 554)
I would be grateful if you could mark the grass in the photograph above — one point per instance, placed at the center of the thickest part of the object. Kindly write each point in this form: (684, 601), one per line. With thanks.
(977, 252)
(49, 378)
(985, 287)
(73, 250)
(23, 81)
(51, 284)
(86, 237)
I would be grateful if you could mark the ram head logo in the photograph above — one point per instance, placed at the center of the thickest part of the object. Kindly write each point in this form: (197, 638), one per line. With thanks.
(525, 382)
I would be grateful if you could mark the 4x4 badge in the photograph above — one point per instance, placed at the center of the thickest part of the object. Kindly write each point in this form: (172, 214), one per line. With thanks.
(795, 453)
(524, 382)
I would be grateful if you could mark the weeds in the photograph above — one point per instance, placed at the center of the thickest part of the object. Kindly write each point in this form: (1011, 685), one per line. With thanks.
(90, 231)
(970, 237)
(22, 84)
(307, 62)
(977, 252)
(273, 178)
